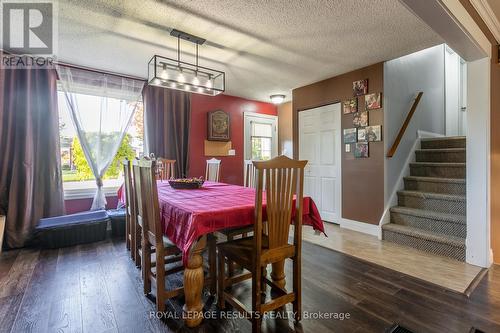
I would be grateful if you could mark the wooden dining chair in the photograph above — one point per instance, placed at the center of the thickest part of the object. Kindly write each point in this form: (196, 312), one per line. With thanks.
(284, 178)
(213, 169)
(249, 174)
(157, 249)
(165, 168)
(132, 229)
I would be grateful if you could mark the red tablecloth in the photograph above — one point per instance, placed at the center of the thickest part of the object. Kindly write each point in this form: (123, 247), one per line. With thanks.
(188, 214)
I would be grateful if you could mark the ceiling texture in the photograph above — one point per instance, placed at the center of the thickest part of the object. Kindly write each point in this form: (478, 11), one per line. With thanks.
(265, 47)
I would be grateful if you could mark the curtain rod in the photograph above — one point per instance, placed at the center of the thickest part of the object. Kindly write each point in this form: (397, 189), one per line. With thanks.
(83, 68)
(99, 71)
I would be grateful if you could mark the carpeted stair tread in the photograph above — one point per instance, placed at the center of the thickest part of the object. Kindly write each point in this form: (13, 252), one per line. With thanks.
(442, 150)
(439, 164)
(443, 142)
(459, 219)
(436, 179)
(450, 203)
(424, 234)
(430, 195)
(443, 138)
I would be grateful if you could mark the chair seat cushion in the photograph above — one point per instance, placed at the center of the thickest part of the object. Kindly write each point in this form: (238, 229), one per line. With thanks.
(167, 243)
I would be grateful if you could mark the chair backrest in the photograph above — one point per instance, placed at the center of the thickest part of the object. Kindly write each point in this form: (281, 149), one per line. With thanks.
(148, 212)
(165, 168)
(129, 189)
(249, 176)
(213, 170)
(284, 179)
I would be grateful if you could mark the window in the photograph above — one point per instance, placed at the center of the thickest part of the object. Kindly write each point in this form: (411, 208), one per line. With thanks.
(78, 180)
(261, 142)
(261, 139)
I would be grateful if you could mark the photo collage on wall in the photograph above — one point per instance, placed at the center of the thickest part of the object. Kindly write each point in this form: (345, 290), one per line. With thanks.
(361, 133)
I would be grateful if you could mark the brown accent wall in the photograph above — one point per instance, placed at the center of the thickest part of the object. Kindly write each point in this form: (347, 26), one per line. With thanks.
(494, 132)
(285, 129)
(362, 179)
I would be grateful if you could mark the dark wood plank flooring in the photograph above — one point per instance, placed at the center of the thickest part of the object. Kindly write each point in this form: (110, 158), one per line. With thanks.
(96, 288)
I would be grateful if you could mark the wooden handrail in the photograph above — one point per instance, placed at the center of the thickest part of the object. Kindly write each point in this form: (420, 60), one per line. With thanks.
(402, 130)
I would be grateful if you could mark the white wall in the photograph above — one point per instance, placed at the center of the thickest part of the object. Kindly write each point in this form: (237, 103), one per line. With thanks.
(403, 79)
(478, 163)
(452, 92)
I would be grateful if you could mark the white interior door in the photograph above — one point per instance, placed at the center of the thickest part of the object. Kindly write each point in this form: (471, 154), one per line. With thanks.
(320, 144)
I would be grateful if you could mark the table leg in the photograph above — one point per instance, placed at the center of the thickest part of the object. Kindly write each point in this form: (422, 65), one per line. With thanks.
(278, 273)
(193, 284)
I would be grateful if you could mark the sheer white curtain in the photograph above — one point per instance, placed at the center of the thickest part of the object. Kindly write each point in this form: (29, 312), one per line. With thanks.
(101, 108)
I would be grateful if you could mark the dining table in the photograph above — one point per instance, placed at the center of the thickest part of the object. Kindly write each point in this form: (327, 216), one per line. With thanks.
(189, 215)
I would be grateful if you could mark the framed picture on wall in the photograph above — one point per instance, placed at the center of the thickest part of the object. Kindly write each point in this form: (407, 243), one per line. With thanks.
(373, 133)
(350, 106)
(373, 101)
(360, 87)
(219, 125)
(360, 119)
(361, 150)
(349, 135)
(361, 134)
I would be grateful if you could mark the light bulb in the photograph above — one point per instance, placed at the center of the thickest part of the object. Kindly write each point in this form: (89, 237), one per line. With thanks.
(181, 78)
(164, 74)
(196, 82)
(209, 84)
(200, 89)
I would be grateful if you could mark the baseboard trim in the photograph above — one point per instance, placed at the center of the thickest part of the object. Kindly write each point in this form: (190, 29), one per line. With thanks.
(366, 228)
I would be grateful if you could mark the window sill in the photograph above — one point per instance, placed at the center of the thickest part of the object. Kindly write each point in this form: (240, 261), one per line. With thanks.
(87, 189)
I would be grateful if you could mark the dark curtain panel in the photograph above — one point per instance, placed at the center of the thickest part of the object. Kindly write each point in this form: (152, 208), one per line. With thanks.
(167, 116)
(30, 168)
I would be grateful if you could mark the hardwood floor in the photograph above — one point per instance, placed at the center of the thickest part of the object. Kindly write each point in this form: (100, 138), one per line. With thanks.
(96, 288)
(442, 271)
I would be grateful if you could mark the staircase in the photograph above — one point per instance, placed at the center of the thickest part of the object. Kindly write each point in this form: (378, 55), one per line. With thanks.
(431, 215)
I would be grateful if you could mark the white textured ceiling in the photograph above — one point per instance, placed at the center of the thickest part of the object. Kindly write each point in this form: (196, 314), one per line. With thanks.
(265, 47)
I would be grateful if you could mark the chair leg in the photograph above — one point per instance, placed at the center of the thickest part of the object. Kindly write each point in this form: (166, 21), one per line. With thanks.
(212, 263)
(230, 264)
(256, 325)
(263, 285)
(146, 267)
(221, 281)
(256, 300)
(297, 286)
(127, 231)
(138, 238)
(160, 282)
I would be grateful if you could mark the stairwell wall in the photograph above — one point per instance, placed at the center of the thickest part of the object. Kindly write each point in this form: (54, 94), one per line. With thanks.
(404, 77)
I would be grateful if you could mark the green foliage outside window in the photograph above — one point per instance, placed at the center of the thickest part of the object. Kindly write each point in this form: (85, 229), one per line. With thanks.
(83, 171)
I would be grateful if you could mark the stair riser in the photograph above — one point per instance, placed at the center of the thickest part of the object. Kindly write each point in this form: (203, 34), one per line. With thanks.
(425, 245)
(437, 171)
(434, 187)
(442, 144)
(451, 157)
(433, 204)
(437, 226)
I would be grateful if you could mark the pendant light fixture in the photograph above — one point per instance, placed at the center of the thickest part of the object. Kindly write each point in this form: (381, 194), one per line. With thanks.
(180, 75)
